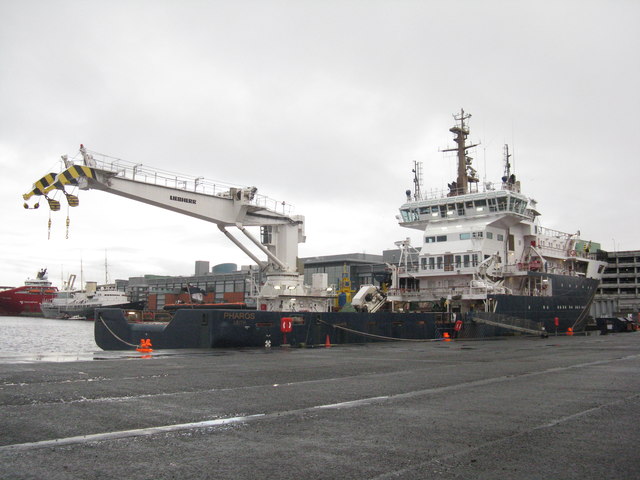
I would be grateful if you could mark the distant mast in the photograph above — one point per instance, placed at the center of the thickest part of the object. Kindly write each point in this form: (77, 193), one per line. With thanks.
(466, 173)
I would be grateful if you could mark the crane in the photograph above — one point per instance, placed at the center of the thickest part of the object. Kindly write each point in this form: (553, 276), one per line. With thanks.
(226, 206)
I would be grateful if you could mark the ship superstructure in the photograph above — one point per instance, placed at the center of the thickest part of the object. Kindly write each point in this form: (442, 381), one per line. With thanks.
(482, 243)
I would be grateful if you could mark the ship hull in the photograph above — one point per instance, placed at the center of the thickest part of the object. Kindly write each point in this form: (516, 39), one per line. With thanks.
(214, 328)
(24, 301)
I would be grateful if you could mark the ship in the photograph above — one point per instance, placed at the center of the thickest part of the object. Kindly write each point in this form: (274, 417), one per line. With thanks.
(81, 304)
(26, 300)
(484, 267)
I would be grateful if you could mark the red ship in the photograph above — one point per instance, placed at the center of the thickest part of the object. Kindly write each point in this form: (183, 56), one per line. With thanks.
(26, 300)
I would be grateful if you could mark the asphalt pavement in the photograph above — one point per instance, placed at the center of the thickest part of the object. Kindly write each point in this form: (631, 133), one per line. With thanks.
(516, 408)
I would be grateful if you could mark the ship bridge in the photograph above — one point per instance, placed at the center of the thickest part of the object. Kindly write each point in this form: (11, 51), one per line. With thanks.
(512, 206)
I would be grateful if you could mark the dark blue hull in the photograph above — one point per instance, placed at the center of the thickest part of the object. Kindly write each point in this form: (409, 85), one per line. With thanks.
(213, 328)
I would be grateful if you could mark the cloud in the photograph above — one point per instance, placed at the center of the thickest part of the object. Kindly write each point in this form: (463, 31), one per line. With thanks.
(325, 105)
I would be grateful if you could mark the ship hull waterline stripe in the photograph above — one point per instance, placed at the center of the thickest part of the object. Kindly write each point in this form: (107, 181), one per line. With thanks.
(140, 432)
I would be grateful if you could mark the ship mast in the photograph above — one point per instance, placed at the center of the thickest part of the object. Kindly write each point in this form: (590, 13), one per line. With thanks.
(417, 181)
(466, 173)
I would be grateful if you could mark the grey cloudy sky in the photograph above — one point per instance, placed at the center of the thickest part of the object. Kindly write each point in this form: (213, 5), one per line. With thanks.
(322, 104)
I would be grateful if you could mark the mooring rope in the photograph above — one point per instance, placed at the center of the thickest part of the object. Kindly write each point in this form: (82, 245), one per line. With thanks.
(381, 337)
(113, 333)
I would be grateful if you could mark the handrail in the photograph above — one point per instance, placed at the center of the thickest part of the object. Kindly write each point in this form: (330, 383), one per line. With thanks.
(141, 173)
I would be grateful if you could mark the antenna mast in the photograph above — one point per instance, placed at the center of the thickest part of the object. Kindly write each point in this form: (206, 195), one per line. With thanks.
(466, 173)
(507, 164)
(417, 180)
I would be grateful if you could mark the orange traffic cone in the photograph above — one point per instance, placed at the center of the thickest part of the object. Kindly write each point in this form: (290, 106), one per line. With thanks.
(327, 342)
(569, 331)
(445, 337)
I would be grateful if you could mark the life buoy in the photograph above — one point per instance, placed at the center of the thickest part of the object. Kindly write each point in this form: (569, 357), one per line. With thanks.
(572, 253)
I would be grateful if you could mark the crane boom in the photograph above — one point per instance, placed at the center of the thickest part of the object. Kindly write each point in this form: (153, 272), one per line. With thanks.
(223, 205)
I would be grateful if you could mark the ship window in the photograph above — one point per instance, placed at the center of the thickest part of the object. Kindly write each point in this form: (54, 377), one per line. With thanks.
(441, 238)
(439, 262)
(423, 210)
(460, 208)
(502, 204)
(500, 237)
(490, 235)
(443, 211)
(465, 236)
(432, 263)
(474, 260)
(477, 234)
(458, 261)
(435, 211)
(448, 263)
(466, 260)
(423, 263)
(430, 239)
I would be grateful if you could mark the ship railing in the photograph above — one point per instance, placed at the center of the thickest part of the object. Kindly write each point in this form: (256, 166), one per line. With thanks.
(442, 292)
(472, 188)
(141, 173)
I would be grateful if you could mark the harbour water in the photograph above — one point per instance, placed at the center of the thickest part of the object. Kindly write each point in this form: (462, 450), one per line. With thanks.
(33, 339)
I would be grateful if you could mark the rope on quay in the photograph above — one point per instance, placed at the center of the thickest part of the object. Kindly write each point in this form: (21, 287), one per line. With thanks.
(113, 333)
(381, 337)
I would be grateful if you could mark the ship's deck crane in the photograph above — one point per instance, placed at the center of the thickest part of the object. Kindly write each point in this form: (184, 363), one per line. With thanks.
(226, 206)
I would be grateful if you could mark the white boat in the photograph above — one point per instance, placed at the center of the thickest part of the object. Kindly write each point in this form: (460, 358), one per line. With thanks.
(69, 304)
